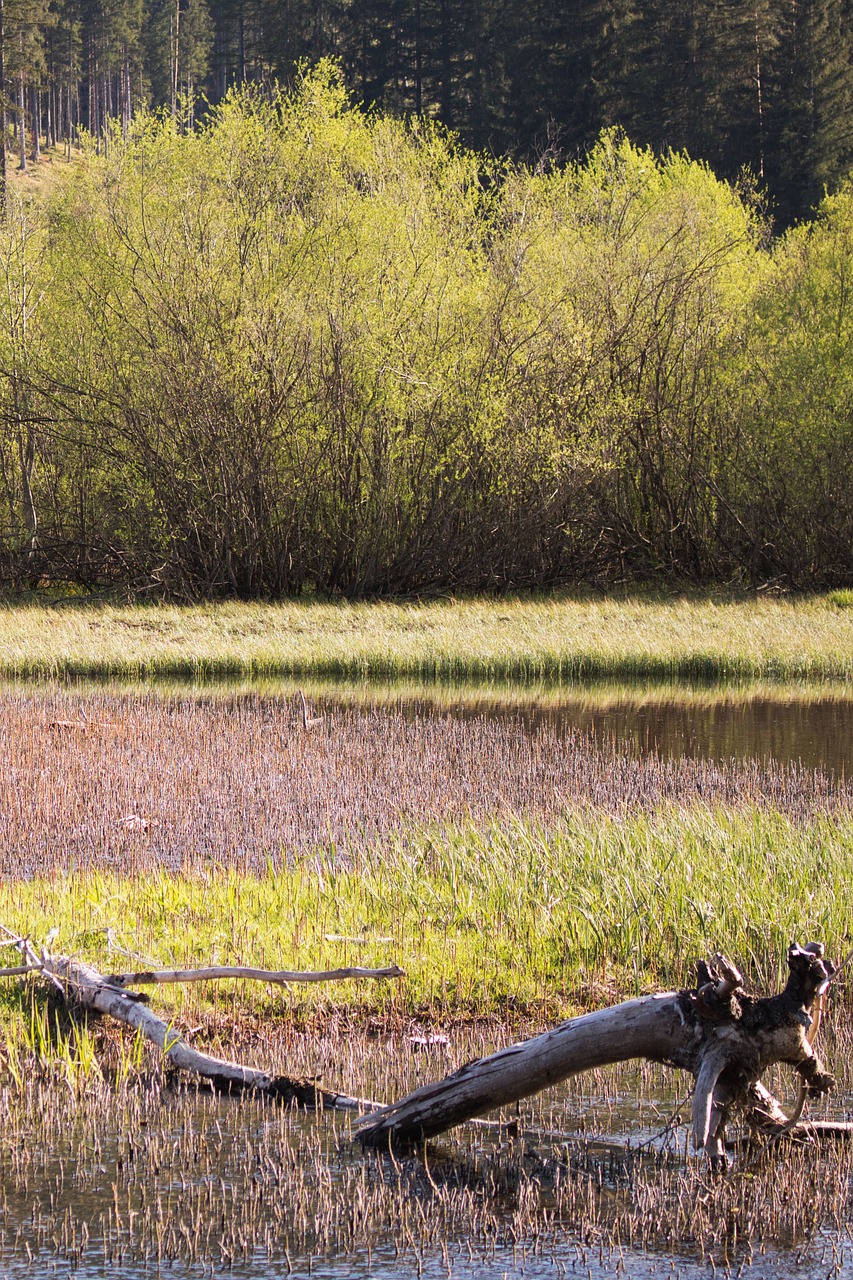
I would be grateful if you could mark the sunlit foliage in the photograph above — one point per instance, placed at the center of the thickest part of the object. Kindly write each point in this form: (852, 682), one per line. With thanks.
(304, 347)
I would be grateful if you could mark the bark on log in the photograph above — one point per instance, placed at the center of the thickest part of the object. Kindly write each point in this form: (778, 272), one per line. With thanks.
(724, 1037)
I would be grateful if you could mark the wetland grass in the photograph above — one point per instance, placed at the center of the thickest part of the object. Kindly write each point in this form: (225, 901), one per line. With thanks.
(561, 637)
(146, 1175)
(517, 876)
(140, 782)
(485, 920)
(498, 866)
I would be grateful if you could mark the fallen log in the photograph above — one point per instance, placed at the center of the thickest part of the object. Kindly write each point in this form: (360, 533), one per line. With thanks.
(723, 1036)
(280, 977)
(85, 987)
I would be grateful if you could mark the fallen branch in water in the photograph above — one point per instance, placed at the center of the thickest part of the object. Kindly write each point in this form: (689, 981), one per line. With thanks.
(723, 1036)
(83, 986)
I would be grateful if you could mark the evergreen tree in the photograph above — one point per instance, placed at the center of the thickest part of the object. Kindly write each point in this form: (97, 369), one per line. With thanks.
(811, 111)
(25, 23)
(178, 42)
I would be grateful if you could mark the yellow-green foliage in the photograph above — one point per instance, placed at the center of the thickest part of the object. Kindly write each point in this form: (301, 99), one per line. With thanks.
(283, 319)
(304, 345)
(585, 912)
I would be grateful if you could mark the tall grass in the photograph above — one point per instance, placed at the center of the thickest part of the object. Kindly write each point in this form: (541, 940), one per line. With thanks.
(572, 638)
(494, 862)
(482, 916)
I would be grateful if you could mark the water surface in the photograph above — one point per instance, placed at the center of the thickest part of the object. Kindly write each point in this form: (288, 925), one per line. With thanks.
(190, 1184)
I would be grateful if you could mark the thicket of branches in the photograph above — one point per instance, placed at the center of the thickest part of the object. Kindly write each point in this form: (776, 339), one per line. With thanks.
(304, 347)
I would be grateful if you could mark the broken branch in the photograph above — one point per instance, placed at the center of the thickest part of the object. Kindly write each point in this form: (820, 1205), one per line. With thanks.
(82, 985)
(276, 976)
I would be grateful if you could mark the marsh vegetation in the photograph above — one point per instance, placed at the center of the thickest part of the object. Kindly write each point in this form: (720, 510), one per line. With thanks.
(109, 1163)
(520, 859)
(304, 351)
(433, 831)
(581, 638)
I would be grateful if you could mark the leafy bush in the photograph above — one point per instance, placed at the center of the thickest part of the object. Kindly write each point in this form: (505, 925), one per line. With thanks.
(303, 346)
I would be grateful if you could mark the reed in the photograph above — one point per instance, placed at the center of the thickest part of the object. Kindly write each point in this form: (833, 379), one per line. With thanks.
(134, 783)
(146, 1178)
(499, 866)
(517, 877)
(484, 918)
(704, 638)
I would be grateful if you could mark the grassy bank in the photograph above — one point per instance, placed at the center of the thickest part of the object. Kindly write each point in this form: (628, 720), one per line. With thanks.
(560, 638)
(481, 917)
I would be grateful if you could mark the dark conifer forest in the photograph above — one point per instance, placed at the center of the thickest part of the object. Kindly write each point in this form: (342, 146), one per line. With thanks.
(764, 87)
(371, 298)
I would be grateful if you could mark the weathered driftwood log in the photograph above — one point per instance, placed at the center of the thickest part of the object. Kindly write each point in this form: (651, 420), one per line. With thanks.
(280, 977)
(83, 986)
(723, 1036)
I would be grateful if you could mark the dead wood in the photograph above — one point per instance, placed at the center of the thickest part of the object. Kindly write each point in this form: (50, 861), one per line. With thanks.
(723, 1036)
(308, 722)
(715, 1030)
(281, 977)
(82, 986)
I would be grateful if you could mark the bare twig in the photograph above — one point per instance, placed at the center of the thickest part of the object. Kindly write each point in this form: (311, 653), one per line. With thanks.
(308, 722)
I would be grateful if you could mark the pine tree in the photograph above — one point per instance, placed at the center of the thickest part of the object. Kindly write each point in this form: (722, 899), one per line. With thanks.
(176, 37)
(25, 23)
(811, 111)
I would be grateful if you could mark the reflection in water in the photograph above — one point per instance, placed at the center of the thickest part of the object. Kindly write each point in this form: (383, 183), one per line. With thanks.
(791, 723)
(817, 734)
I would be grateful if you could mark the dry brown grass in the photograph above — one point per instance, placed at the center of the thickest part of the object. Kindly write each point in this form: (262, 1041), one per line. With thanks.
(149, 782)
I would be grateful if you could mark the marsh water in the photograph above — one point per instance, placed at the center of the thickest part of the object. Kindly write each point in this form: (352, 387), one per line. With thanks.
(154, 1182)
(813, 731)
(192, 1184)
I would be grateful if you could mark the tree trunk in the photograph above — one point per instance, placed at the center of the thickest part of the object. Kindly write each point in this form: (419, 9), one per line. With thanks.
(36, 122)
(22, 125)
(2, 111)
(724, 1037)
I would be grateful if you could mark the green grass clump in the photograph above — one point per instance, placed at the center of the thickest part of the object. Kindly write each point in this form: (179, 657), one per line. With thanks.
(481, 917)
(559, 638)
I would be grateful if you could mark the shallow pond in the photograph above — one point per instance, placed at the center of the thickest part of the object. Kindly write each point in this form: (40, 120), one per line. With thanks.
(789, 723)
(153, 1182)
(817, 734)
(805, 724)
